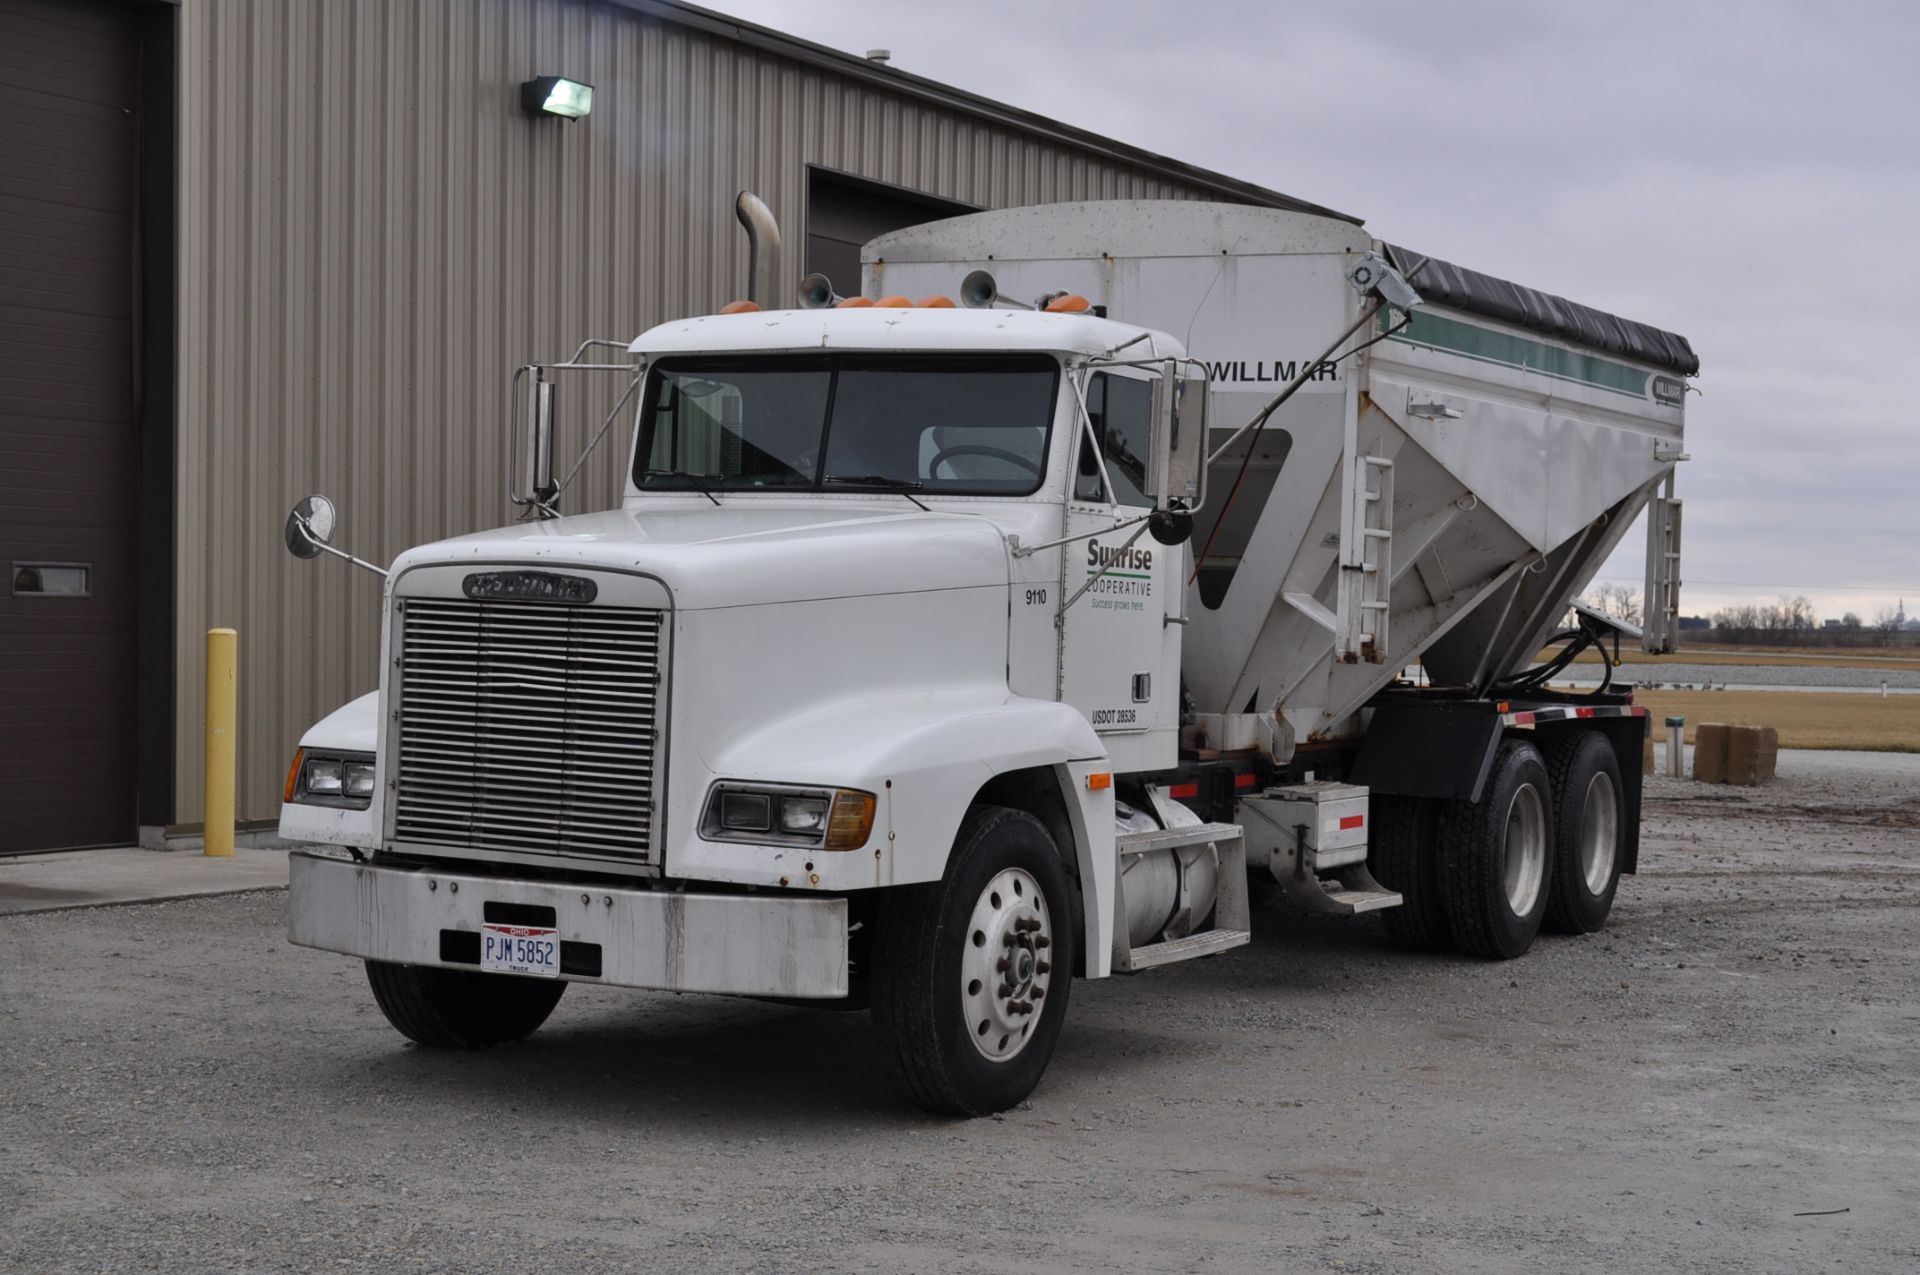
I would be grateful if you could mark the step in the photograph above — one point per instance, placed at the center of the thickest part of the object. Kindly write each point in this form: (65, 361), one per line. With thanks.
(1208, 943)
(1174, 838)
(1356, 901)
(1346, 891)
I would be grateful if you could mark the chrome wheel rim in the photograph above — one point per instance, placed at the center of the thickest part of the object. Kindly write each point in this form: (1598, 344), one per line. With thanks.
(1525, 850)
(1599, 833)
(1006, 966)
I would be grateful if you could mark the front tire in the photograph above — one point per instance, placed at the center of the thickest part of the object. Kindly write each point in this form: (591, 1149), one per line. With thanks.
(1590, 832)
(971, 973)
(1497, 857)
(461, 1009)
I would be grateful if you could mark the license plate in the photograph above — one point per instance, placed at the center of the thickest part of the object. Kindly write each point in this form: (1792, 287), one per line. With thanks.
(520, 949)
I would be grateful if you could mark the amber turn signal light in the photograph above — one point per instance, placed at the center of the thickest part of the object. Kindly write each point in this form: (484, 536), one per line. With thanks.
(851, 822)
(293, 773)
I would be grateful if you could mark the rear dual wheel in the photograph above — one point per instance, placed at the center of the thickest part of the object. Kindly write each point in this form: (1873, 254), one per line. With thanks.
(1403, 855)
(1496, 857)
(1589, 832)
(1542, 848)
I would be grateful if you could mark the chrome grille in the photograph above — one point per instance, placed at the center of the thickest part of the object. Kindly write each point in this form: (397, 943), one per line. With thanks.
(528, 726)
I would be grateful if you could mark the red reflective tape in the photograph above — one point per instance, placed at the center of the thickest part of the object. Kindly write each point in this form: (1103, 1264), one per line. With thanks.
(1639, 710)
(1353, 821)
(1183, 790)
(1583, 712)
(1523, 719)
(1246, 779)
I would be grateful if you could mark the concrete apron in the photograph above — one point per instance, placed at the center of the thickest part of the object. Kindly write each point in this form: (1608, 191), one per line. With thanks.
(100, 878)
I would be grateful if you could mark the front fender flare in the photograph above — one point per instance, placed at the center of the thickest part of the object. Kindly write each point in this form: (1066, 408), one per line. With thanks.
(925, 754)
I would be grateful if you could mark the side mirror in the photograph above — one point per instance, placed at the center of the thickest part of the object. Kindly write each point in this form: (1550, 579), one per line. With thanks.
(310, 527)
(310, 530)
(1177, 438)
(538, 478)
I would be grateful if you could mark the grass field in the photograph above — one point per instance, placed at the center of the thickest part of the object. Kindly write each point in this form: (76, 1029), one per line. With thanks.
(1804, 720)
(1851, 657)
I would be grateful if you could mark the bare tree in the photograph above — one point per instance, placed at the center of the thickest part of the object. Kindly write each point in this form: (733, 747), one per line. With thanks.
(1886, 623)
(1618, 600)
(1737, 624)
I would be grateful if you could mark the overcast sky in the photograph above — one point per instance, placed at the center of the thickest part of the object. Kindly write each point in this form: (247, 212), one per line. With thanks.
(1746, 174)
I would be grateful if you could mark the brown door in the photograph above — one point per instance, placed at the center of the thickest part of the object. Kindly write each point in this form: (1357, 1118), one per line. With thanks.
(844, 212)
(67, 432)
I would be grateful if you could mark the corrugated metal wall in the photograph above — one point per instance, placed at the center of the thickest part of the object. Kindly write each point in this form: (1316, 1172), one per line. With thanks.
(374, 235)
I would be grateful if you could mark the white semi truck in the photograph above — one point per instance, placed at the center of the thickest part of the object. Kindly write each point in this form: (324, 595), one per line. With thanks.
(938, 654)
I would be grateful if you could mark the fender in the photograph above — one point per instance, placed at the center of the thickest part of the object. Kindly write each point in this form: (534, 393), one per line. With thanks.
(354, 727)
(925, 754)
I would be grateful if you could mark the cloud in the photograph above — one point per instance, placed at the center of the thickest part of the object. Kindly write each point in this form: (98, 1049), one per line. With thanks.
(1746, 174)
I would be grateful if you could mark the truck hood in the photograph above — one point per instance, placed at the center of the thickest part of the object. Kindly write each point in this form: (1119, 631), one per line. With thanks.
(747, 553)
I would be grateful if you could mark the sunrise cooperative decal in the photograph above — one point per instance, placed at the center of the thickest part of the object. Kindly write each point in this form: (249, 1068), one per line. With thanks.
(1125, 577)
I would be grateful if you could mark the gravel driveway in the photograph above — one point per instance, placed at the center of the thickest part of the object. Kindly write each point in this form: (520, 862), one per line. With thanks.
(186, 1092)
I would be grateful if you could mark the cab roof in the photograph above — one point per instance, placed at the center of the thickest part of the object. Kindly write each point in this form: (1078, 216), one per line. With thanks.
(915, 329)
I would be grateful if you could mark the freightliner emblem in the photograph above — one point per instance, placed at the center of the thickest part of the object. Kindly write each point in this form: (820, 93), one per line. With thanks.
(529, 586)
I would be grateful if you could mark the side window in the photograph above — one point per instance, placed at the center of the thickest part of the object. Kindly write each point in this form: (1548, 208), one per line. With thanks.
(1120, 408)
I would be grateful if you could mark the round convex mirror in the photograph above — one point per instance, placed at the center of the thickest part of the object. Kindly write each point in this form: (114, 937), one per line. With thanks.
(310, 526)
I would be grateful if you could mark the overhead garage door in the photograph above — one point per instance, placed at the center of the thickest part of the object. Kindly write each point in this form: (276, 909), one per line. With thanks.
(844, 212)
(67, 424)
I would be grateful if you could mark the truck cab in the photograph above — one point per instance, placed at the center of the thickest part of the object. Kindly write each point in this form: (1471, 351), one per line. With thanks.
(875, 571)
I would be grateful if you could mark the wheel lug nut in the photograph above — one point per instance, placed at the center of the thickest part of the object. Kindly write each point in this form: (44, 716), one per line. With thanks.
(1039, 993)
(1042, 941)
(1002, 965)
(1044, 967)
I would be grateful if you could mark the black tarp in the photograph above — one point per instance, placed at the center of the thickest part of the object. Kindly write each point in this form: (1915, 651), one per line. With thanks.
(1444, 283)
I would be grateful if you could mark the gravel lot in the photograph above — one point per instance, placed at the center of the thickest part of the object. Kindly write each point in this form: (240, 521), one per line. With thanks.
(186, 1092)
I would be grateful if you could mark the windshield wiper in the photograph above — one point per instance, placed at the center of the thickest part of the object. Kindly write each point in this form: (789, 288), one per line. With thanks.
(695, 481)
(905, 486)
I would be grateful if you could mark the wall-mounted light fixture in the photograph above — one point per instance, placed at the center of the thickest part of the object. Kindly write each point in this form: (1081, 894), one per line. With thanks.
(557, 95)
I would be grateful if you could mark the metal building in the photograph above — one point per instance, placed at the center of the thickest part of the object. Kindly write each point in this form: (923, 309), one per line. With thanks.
(257, 248)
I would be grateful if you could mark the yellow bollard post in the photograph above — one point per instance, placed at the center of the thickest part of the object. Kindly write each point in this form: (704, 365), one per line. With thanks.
(222, 656)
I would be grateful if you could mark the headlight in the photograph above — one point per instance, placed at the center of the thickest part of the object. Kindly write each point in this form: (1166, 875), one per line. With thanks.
(340, 779)
(822, 818)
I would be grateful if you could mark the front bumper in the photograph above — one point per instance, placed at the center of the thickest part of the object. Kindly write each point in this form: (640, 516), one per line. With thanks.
(749, 945)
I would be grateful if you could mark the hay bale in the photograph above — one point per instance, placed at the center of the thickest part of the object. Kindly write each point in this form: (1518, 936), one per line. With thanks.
(1710, 753)
(1753, 754)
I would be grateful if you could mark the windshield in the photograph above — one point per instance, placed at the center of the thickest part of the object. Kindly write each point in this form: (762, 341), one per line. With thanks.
(945, 425)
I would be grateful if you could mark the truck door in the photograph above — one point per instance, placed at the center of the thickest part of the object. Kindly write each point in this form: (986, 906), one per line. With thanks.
(1119, 658)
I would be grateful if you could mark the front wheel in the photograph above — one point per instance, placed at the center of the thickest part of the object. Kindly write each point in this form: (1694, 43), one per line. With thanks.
(461, 1009)
(971, 973)
(1497, 857)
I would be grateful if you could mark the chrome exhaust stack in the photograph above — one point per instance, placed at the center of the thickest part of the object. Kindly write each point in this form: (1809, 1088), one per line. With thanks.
(763, 247)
